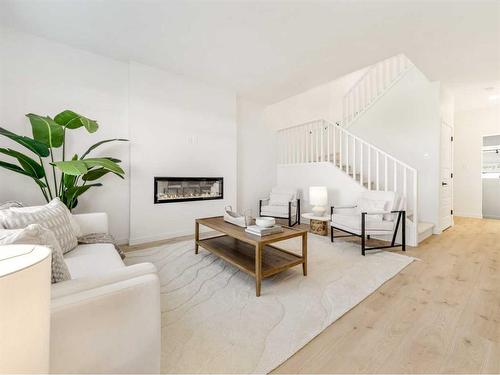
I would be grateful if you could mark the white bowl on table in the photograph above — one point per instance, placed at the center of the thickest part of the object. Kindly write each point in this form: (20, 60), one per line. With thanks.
(265, 222)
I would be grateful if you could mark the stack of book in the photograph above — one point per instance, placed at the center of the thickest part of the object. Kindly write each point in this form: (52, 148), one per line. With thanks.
(261, 231)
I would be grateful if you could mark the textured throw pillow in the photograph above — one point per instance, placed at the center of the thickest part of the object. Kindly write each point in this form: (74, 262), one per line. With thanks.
(279, 199)
(54, 216)
(370, 205)
(35, 234)
(10, 204)
(74, 224)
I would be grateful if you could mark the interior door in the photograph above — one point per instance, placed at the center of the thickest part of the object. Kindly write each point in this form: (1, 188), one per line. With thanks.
(446, 187)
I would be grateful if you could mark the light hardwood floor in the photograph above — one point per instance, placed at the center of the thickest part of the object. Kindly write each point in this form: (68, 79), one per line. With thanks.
(439, 315)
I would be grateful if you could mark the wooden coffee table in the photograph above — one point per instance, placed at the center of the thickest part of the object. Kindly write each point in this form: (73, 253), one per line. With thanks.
(250, 253)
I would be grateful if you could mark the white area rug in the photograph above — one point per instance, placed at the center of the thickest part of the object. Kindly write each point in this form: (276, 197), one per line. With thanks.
(213, 323)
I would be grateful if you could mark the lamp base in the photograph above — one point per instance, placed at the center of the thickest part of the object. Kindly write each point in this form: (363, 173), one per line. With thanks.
(319, 210)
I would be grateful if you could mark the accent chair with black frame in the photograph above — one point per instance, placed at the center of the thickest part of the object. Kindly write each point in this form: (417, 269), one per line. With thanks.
(377, 213)
(282, 203)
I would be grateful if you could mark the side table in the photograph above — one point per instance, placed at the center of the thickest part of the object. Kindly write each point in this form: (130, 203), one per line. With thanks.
(317, 224)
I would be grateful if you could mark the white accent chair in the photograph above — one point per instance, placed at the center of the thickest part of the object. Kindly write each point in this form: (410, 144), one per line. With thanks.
(377, 213)
(107, 318)
(282, 203)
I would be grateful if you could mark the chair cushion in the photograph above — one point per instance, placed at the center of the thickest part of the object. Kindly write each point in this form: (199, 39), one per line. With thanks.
(371, 205)
(92, 260)
(285, 190)
(352, 223)
(390, 197)
(280, 199)
(277, 211)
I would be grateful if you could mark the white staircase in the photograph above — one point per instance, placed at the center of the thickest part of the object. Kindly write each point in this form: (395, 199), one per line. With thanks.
(323, 142)
(377, 80)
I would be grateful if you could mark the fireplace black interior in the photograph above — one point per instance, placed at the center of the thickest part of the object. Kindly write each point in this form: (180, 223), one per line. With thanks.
(183, 189)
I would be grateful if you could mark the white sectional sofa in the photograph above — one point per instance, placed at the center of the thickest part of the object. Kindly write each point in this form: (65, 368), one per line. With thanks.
(107, 318)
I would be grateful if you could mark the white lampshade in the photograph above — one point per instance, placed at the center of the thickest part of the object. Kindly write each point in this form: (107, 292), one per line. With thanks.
(25, 313)
(318, 196)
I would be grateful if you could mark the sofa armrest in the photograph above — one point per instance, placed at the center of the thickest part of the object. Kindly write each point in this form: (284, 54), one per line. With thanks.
(73, 286)
(96, 222)
(114, 328)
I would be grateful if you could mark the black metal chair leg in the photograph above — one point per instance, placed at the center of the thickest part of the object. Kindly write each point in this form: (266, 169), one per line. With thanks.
(363, 218)
(331, 234)
(298, 211)
(403, 233)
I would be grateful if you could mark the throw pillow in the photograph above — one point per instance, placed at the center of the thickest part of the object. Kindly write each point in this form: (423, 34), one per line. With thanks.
(53, 216)
(35, 234)
(279, 199)
(74, 224)
(10, 204)
(370, 205)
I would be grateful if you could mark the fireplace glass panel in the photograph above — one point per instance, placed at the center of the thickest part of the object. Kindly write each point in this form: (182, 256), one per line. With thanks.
(182, 189)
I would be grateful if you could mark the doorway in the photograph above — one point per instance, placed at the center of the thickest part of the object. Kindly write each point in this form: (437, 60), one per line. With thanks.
(446, 173)
(490, 176)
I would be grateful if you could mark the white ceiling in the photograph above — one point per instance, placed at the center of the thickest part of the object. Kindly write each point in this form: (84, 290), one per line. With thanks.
(268, 51)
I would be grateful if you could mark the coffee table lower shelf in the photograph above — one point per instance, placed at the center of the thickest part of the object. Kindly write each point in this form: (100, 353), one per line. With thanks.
(242, 255)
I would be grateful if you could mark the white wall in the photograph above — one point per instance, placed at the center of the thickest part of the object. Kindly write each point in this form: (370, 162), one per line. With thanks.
(178, 127)
(43, 77)
(321, 102)
(256, 156)
(342, 190)
(405, 123)
(470, 127)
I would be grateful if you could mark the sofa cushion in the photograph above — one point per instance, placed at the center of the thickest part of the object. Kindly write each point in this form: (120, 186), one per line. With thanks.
(353, 222)
(92, 260)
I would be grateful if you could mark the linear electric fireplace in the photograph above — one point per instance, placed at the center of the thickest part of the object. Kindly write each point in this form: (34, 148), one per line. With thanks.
(183, 189)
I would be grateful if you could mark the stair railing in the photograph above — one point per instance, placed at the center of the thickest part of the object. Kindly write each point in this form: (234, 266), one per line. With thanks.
(372, 85)
(320, 141)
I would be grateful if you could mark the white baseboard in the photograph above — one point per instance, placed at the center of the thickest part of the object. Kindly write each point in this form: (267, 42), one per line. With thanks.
(165, 236)
(468, 214)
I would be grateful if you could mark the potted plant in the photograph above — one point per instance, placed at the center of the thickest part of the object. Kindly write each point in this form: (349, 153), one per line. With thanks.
(69, 178)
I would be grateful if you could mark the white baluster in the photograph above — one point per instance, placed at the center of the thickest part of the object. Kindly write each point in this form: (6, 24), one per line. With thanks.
(328, 141)
(377, 171)
(395, 176)
(405, 192)
(385, 174)
(334, 144)
(369, 167)
(306, 143)
(322, 131)
(341, 140)
(361, 161)
(347, 153)
(354, 158)
(311, 141)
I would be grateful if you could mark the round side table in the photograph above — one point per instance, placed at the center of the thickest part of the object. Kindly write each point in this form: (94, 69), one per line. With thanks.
(317, 224)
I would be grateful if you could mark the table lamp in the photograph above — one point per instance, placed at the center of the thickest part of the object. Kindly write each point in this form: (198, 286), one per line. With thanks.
(25, 312)
(318, 198)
